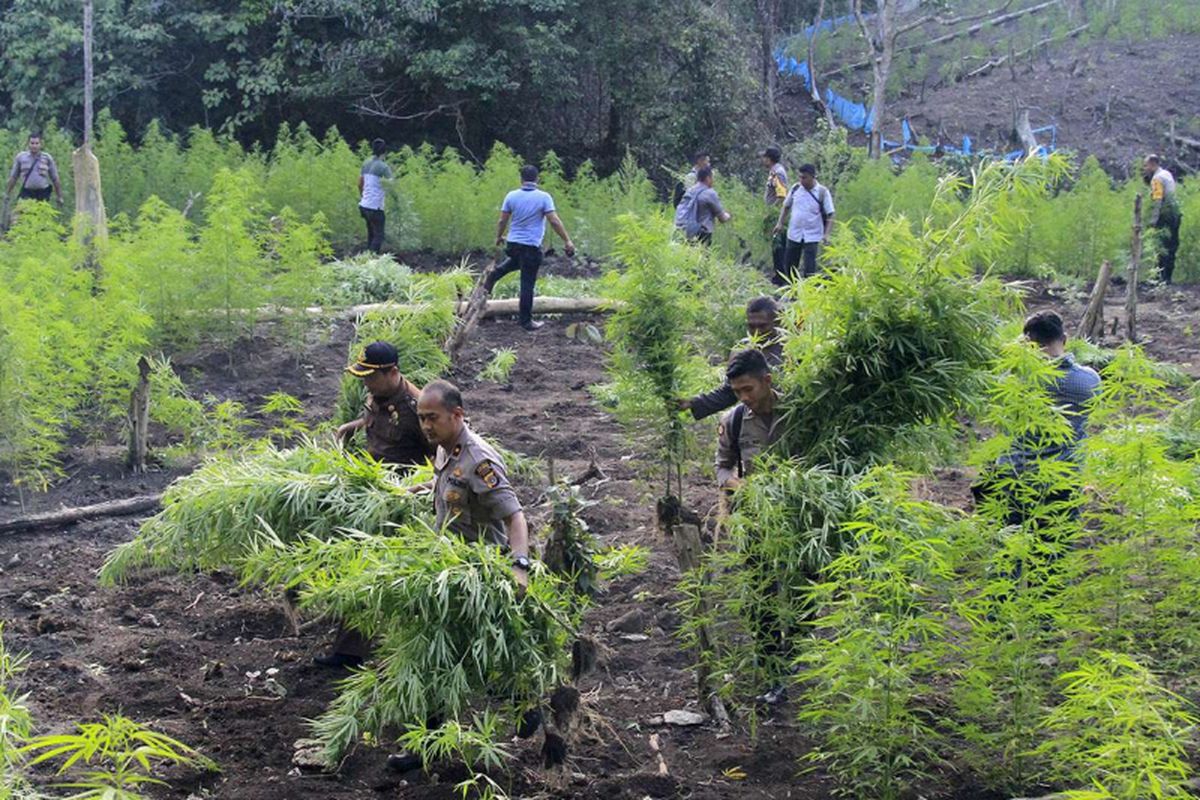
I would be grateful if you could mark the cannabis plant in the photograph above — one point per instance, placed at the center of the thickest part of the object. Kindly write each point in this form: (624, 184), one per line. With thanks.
(497, 370)
(452, 630)
(652, 362)
(898, 335)
(1118, 734)
(880, 635)
(115, 758)
(1135, 576)
(218, 515)
(16, 726)
(570, 549)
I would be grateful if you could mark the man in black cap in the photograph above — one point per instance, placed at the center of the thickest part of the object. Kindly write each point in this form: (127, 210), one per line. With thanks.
(394, 436)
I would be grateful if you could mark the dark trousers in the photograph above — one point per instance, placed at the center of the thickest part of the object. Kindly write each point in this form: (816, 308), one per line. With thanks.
(527, 259)
(779, 252)
(792, 256)
(375, 220)
(44, 196)
(1168, 243)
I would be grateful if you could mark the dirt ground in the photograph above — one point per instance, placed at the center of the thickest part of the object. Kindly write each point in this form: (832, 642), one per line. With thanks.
(182, 652)
(1115, 100)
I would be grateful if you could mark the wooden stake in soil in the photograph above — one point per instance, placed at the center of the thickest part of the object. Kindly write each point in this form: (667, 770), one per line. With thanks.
(139, 419)
(89, 201)
(1135, 260)
(1091, 327)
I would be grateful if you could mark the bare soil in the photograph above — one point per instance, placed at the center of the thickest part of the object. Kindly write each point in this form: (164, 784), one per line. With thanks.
(180, 652)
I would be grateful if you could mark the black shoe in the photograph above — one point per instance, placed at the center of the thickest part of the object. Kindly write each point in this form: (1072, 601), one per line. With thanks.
(773, 696)
(531, 720)
(404, 761)
(338, 660)
(532, 325)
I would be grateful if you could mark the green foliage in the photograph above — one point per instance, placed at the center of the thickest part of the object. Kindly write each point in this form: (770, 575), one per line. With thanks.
(570, 550)
(497, 370)
(652, 361)
(879, 641)
(899, 334)
(69, 343)
(617, 561)
(16, 727)
(368, 278)
(220, 514)
(450, 626)
(203, 425)
(119, 755)
(1119, 733)
(476, 745)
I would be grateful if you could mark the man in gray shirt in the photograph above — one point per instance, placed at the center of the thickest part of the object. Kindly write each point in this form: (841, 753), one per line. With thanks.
(36, 172)
(701, 209)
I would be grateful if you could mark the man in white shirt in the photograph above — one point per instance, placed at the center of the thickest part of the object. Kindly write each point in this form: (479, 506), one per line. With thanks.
(370, 186)
(807, 215)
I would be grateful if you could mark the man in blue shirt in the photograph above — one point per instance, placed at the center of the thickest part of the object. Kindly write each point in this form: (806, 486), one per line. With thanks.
(524, 215)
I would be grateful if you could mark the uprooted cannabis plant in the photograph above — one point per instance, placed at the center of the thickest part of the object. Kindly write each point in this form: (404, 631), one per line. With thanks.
(453, 633)
(220, 514)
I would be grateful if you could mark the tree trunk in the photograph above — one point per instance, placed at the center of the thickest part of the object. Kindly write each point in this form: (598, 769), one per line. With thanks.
(881, 44)
(1135, 260)
(767, 12)
(813, 90)
(89, 200)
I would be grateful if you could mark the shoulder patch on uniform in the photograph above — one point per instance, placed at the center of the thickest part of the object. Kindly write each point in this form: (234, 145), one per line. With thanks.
(458, 472)
(487, 473)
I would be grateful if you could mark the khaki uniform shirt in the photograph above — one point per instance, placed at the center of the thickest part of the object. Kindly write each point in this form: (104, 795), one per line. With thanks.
(41, 171)
(393, 431)
(757, 434)
(471, 492)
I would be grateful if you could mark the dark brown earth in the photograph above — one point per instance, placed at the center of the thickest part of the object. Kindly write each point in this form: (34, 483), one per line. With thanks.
(175, 651)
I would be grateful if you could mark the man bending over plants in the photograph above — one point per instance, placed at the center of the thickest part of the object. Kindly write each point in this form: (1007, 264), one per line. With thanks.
(524, 215)
(762, 332)
(1071, 392)
(394, 437)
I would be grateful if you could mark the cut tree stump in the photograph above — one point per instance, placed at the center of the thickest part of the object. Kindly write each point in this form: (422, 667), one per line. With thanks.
(69, 516)
(139, 419)
(1091, 327)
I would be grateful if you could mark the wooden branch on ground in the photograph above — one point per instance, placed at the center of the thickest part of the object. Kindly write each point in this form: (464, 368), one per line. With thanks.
(69, 516)
(1091, 327)
(1014, 57)
(1183, 140)
(1135, 259)
(470, 316)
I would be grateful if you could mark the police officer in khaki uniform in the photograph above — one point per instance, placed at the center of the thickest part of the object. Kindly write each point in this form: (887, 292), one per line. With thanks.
(471, 492)
(394, 436)
(750, 427)
(762, 333)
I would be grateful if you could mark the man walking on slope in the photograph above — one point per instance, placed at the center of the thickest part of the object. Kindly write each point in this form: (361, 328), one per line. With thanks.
(700, 210)
(524, 215)
(774, 195)
(37, 173)
(807, 216)
(370, 187)
(1165, 215)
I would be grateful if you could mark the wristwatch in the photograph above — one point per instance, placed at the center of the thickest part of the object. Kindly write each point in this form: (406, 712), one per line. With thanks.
(522, 563)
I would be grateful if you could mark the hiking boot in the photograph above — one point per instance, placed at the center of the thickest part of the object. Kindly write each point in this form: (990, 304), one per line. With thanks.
(773, 696)
(403, 761)
(338, 660)
(532, 325)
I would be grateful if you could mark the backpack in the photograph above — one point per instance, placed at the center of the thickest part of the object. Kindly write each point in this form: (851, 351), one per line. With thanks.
(735, 432)
(687, 215)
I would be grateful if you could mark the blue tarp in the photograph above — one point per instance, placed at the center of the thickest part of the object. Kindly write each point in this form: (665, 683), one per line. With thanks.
(856, 116)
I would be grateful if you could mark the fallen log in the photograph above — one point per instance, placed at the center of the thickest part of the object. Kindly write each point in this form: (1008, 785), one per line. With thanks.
(69, 516)
(1013, 57)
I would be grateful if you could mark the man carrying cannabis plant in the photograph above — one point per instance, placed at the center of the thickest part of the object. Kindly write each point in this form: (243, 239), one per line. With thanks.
(524, 215)
(762, 332)
(746, 431)
(394, 436)
(37, 173)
